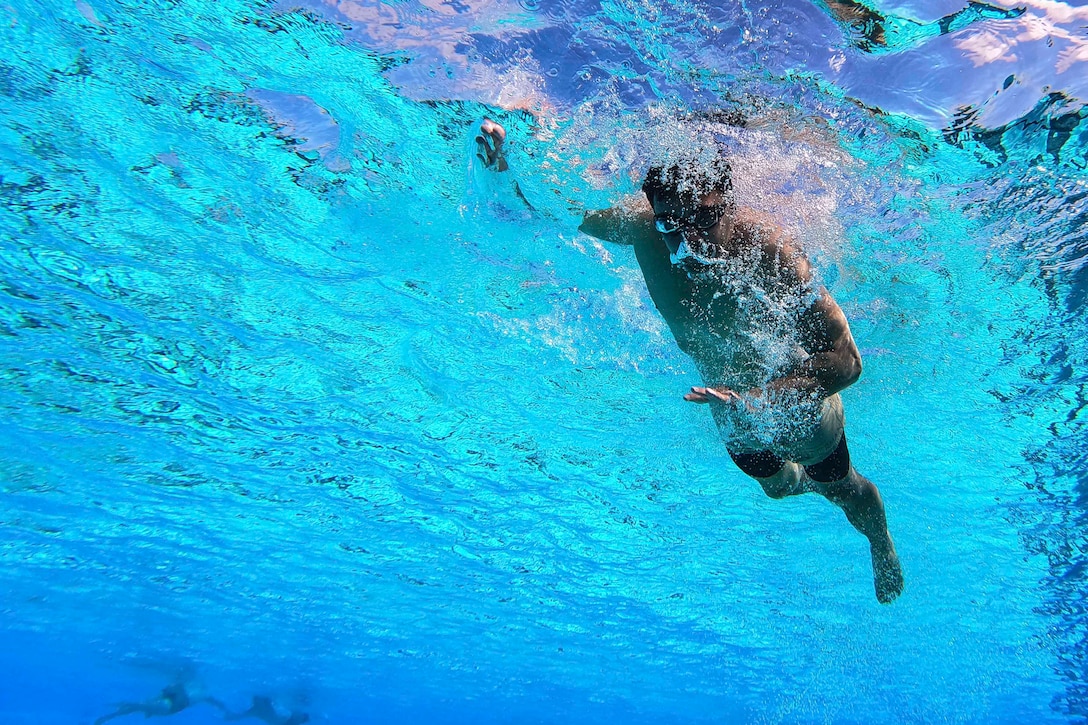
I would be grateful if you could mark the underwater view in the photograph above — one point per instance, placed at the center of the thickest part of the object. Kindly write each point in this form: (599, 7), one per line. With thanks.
(331, 393)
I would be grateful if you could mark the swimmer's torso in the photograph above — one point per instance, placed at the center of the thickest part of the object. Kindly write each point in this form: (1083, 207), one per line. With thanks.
(738, 320)
(730, 319)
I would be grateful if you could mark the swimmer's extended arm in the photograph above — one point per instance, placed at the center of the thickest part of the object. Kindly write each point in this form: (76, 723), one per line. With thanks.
(489, 150)
(619, 225)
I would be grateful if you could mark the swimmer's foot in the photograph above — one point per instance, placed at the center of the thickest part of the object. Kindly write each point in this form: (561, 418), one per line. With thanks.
(887, 574)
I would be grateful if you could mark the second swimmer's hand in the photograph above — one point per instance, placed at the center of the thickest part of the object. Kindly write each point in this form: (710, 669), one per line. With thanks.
(489, 145)
(700, 394)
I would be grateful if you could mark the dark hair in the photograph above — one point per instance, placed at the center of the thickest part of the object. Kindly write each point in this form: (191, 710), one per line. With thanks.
(690, 179)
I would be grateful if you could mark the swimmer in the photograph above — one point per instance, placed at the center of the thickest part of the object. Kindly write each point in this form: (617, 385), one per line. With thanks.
(735, 292)
(263, 709)
(170, 701)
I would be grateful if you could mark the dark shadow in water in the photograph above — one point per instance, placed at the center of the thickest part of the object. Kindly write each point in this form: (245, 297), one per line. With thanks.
(871, 31)
(1051, 129)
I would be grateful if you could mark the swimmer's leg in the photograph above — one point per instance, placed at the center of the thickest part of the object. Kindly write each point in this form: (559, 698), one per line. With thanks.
(839, 482)
(779, 478)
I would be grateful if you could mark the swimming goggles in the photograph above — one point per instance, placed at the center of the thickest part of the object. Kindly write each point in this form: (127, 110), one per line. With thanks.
(705, 217)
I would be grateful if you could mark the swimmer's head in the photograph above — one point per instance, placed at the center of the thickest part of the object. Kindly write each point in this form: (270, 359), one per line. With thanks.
(693, 209)
(691, 180)
(690, 187)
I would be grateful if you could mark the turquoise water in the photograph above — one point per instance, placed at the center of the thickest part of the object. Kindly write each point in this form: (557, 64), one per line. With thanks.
(299, 402)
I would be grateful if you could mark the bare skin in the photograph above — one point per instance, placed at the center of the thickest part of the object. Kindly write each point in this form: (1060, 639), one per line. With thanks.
(489, 145)
(703, 281)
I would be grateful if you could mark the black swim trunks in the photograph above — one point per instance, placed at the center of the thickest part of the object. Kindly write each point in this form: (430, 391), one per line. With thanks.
(764, 464)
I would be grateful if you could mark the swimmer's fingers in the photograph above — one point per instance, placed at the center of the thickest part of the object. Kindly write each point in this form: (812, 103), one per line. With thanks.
(724, 395)
(695, 398)
(700, 394)
(489, 144)
(484, 152)
(495, 131)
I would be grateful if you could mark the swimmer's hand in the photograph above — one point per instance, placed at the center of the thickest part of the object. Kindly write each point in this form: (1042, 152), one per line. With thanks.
(700, 394)
(489, 145)
(752, 400)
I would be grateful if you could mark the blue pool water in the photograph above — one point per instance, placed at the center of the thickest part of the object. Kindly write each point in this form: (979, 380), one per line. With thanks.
(301, 403)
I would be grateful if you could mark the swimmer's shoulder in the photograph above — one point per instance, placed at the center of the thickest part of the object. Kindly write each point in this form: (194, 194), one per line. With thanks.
(782, 254)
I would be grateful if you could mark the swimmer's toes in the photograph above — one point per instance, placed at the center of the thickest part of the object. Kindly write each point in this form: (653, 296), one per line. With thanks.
(887, 577)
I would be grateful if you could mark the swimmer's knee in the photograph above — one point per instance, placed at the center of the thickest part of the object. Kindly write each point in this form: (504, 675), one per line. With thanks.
(787, 482)
(774, 488)
(838, 492)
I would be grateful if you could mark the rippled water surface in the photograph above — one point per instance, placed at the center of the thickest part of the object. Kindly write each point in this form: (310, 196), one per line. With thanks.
(301, 403)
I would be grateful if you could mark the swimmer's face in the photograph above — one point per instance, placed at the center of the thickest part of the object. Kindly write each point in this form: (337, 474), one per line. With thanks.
(702, 224)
